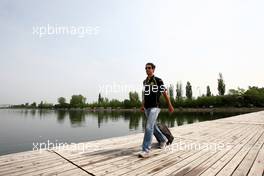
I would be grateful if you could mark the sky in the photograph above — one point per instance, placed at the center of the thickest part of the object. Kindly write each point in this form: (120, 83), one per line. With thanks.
(187, 41)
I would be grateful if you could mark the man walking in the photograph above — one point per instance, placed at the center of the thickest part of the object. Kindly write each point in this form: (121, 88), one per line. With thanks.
(153, 88)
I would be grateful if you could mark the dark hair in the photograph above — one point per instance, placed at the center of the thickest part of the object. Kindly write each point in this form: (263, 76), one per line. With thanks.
(152, 65)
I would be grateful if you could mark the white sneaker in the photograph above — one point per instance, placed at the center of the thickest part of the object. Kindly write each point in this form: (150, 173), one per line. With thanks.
(143, 154)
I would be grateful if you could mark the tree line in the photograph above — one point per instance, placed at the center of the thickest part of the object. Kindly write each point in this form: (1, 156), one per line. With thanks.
(252, 97)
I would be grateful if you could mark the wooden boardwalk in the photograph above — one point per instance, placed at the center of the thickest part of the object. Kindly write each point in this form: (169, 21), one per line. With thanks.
(229, 146)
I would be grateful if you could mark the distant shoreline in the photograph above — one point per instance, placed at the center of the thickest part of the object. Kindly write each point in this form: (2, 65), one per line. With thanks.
(101, 109)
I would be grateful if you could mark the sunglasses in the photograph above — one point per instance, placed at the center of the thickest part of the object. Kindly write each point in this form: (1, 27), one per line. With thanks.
(148, 68)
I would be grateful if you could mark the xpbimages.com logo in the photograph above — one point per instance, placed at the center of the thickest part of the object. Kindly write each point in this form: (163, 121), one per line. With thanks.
(153, 88)
(124, 89)
(78, 31)
(64, 146)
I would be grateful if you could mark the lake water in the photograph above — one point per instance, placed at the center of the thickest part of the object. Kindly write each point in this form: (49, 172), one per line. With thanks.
(20, 128)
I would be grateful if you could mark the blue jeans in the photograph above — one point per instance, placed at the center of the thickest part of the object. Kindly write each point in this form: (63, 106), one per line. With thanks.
(151, 127)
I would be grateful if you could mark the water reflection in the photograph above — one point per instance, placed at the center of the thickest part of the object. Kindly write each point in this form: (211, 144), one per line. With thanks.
(77, 117)
(135, 119)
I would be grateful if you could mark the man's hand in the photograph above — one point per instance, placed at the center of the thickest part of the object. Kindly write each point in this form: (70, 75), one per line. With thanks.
(142, 109)
(171, 109)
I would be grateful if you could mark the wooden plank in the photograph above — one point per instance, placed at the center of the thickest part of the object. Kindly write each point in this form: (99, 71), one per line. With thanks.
(153, 161)
(22, 156)
(184, 164)
(207, 164)
(248, 161)
(137, 166)
(258, 165)
(72, 172)
(227, 170)
(80, 160)
(195, 167)
(32, 166)
(97, 168)
(220, 164)
(234, 162)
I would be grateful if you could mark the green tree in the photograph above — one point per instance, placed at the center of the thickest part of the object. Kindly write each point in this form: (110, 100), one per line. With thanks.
(77, 101)
(221, 85)
(179, 91)
(239, 91)
(47, 105)
(254, 96)
(40, 105)
(189, 90)
(171, 92)
(115, 103)
(208, 91)
(34, 105)
(134, 99)
(163, 103)
(133, 96)
(100, 99)
(61, 100)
